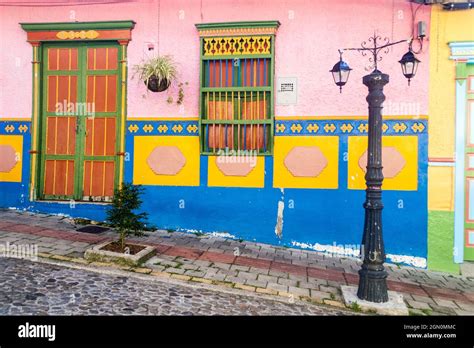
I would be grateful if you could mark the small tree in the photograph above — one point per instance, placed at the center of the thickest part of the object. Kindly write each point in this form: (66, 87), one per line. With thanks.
(122, 213)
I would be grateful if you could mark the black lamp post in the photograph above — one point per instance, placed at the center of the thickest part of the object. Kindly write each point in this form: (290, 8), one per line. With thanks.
(372, 275)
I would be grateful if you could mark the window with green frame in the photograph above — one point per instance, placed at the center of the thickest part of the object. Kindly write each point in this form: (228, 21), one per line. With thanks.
(236, 87)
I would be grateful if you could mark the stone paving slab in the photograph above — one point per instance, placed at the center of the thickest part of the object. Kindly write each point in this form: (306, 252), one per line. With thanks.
(251, 266)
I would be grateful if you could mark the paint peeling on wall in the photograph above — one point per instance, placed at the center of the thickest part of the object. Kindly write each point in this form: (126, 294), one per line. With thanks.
(348, 251)
(407, 259)
(208, 234)
(281, 207)
(221, 235)
(332, 249)
(279, 224)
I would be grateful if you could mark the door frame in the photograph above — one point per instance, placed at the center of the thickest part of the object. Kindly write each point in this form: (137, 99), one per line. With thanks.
(38, 34)
(79, 157)
(463, 55)
(469, 169)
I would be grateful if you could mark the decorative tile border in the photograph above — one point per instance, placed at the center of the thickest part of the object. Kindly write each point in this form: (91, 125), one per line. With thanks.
(348, 127)
(162, 127)
(307, 126)
(190, 127)
(10, 127)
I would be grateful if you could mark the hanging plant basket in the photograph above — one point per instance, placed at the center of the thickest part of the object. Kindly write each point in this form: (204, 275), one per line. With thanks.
(155, 85)
(157, 73)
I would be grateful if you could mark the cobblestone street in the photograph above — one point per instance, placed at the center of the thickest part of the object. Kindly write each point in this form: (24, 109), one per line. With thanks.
(30, 288)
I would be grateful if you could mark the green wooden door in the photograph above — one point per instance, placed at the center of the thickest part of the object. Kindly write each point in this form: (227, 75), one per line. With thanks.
(469, 165)
(80, 121)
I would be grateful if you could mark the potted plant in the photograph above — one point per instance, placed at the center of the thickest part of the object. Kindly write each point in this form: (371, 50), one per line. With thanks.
(157, 73)
(126, 221)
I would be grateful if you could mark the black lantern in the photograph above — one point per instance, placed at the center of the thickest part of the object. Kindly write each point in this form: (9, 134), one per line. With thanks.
(409, 65)
(340, 73)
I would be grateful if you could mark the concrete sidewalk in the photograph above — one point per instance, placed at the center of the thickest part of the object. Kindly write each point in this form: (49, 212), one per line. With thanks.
(255, 267)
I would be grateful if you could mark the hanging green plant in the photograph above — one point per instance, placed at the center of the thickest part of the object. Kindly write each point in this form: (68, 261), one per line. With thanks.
(157, 73)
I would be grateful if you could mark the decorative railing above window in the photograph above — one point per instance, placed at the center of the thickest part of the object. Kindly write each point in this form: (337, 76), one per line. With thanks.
(236, 96)
(215, 46)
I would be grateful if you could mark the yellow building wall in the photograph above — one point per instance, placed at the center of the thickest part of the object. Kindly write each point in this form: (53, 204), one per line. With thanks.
(441, 181)
(446, 26)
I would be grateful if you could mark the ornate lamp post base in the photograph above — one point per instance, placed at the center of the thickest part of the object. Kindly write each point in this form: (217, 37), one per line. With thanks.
(372, 285)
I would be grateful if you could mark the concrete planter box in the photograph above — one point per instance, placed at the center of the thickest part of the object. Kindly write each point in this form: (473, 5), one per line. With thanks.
(97, 254)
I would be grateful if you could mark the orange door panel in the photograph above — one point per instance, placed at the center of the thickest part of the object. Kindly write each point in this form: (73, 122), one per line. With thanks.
(101, 130)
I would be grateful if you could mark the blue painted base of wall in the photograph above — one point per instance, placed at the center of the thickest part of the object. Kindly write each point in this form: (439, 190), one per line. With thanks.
(327, 217)
(15, 196)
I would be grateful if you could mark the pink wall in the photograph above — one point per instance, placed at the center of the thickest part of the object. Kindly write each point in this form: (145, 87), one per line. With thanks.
(306, 48)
